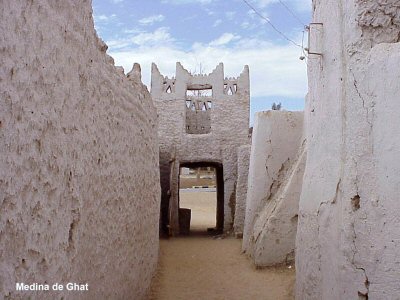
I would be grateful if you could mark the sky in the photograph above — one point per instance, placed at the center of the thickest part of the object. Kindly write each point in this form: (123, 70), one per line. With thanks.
(202, 33)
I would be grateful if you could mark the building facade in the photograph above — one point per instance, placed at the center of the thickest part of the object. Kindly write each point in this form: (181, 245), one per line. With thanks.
(203, 119)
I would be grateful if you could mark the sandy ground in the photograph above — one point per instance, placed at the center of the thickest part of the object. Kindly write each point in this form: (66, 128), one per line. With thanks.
(202, 267)
(203, 206)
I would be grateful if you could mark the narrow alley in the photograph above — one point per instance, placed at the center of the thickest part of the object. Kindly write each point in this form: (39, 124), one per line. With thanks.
(200, 266)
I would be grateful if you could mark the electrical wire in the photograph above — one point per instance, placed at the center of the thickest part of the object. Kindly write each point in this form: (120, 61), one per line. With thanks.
(292, 13)
(270, 23)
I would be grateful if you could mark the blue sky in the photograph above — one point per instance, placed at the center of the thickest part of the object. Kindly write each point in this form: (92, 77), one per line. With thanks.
(202, 33)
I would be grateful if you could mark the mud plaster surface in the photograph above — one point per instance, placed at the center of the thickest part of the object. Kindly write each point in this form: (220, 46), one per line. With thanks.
(79, 174)
(348, 237)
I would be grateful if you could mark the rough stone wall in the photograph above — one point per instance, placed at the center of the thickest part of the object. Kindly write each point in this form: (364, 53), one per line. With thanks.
(229, 130)
(379, 21)
(243, 158)
(277, 137)
(79, 176)
(347, 241)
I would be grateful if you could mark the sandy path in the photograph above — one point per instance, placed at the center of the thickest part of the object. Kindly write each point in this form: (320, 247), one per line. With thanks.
(203, 206)
(200, 267)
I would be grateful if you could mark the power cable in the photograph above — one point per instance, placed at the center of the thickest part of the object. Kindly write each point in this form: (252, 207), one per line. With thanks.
(272, 25)
(292, 13)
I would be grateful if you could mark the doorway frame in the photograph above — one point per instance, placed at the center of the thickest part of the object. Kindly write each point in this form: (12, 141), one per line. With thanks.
(219, 171)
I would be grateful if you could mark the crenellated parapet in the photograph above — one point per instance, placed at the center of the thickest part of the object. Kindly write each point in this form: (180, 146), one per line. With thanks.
(202, 94)
(185, 81)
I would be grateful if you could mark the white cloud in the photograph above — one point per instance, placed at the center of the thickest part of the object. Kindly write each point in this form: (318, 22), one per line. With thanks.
(230, 15)
(188, 18)
(264, 3)
(245, 25)
(133, 30)
(249, 25)
(296, 5)
(159, 37)
(254, 16)
(303, 5)
(224, 39)
(274, 70)
(217, 23)
(151, 19)
(104, 18)
(177, 2)
(209, 12)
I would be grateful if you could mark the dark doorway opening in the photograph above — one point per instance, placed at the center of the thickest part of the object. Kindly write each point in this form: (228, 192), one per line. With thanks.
(201, 198)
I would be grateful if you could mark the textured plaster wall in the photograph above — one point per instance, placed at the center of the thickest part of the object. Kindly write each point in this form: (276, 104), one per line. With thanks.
(243, 158)
(379, 21)
(79, 176)
(275, 228)
(229, 130)
(348, 237)
(277, 137)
